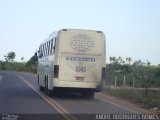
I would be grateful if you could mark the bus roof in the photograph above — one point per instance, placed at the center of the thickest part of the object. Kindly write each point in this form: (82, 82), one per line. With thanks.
(54, 34)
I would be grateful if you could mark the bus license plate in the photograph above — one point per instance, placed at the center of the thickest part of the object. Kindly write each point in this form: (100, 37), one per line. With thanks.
(79, 78)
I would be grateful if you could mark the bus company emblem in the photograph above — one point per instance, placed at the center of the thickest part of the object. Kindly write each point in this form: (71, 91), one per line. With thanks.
(82, 43)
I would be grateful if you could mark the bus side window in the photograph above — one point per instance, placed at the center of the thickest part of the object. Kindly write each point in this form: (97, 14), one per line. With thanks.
(54, 45)
(39, 49)
(49, 48)
(51, 51)
(46, 48)
(43, 49)
(40, 54)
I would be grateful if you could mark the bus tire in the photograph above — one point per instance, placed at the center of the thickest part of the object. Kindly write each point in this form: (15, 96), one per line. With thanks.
(88, 95)
(47, 91)
(45, 85)
(38, 79)
(41, 88)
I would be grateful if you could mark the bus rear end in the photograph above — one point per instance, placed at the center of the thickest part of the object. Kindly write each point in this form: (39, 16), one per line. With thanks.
(81, 61)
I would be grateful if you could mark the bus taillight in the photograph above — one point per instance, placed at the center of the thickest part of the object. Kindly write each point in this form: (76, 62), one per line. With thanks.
(56, 71)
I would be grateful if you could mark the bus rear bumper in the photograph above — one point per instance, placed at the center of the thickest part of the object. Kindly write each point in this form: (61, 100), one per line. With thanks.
(96, 87)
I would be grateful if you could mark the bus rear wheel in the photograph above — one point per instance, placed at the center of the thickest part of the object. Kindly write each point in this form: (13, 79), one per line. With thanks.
(89, 95)
(41, 88)
(46, 90)
(49, 93)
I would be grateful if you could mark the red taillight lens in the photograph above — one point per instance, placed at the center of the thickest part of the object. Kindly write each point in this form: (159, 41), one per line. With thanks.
(79, 78)
(56, 71)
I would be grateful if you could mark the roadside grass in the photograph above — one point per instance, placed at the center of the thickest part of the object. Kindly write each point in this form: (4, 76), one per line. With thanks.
(149, 99)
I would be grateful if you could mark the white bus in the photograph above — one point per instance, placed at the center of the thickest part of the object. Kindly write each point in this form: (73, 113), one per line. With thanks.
(72, 59)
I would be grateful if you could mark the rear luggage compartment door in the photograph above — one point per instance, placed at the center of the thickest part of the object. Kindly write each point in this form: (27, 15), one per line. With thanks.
(80, 69)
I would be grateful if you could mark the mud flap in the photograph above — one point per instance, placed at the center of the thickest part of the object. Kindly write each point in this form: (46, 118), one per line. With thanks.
(99, 88)
(102, 84)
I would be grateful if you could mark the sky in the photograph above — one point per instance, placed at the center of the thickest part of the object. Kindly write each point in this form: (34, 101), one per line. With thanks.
(131, 27)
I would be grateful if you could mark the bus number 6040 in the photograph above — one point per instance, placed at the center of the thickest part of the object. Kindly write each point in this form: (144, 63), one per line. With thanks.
(80, 69)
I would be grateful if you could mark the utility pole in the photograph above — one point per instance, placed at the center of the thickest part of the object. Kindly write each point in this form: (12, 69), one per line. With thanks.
(124, 80)
(115, 82)
(133, 81)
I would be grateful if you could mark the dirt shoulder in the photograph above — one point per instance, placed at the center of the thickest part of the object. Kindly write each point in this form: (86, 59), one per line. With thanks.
(125, 103)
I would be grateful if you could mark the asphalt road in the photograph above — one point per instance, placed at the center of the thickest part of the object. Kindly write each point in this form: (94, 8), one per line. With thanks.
(20, 99)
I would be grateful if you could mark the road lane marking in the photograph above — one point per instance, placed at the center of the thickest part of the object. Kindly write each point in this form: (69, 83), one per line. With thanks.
(0, 78)
(110, 102)
(52, 102)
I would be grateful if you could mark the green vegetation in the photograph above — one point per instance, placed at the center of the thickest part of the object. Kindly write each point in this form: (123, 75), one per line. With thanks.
(137, 96)
(139, 82)
(10, 64)
(10, 57)
(139, 74)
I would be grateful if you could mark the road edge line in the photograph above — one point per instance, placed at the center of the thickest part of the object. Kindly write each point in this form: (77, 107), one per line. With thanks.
(47, 100)
(1, 77)
(115, 104)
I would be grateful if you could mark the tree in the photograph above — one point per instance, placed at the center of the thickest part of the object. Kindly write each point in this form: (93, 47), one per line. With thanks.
(32, 61)
(148, 63)
(31, 65)
(115, 60)
(138, 63)
(120, 60)
(111, 59)
(129, 59)
(22, 59)
(10, 56)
